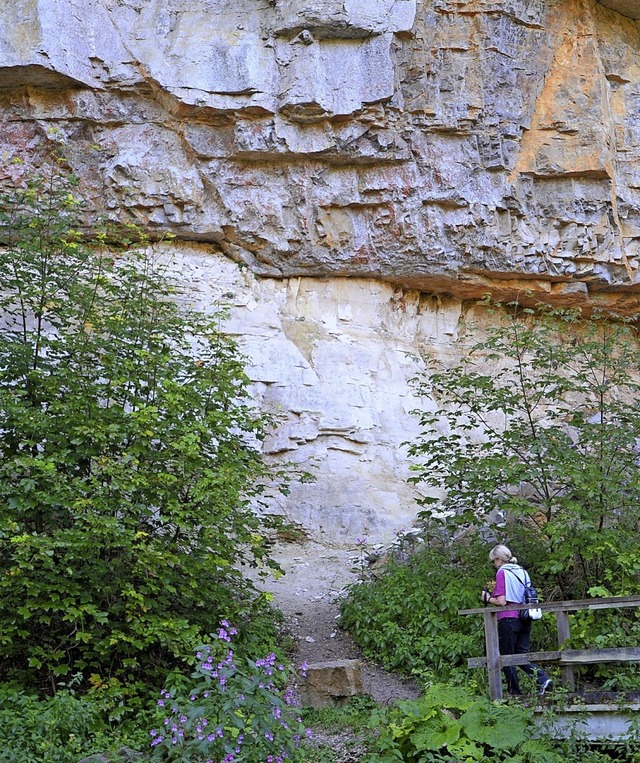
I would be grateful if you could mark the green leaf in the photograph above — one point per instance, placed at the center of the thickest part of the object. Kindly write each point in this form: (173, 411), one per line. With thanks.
(128, 456)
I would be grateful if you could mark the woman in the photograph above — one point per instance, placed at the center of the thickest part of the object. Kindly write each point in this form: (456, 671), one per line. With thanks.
(514, 634)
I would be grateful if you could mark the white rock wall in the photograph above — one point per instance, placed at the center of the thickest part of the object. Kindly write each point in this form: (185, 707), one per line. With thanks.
(332, 359)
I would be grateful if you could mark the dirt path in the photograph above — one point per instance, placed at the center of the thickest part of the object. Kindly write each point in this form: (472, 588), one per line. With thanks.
(308, 595)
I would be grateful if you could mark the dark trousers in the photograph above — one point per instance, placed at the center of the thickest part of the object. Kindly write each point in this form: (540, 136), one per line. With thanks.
(514, 637)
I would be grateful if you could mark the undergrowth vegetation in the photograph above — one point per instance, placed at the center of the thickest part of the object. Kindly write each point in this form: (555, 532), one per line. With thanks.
(70, 725)
(533, 441)
(451, 725)
(405, 619)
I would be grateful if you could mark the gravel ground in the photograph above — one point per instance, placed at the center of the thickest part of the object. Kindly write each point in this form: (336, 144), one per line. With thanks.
(308, 594)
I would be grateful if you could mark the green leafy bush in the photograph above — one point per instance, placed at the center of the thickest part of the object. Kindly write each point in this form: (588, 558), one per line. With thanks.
(450, 725)
(534, 442)
(65, 727)
(129, 454)
(539, 426)
(407, 619)
(234, 711)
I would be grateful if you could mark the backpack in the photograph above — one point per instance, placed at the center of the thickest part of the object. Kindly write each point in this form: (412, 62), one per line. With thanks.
(530, 597)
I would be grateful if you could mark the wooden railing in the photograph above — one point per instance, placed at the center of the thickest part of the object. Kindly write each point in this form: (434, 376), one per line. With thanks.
(567, 658)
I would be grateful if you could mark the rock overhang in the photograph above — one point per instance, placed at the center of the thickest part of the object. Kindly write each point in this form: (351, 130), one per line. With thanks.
(372, 183)
(436, 145)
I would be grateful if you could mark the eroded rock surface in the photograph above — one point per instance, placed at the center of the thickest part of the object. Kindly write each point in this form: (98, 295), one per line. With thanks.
(444, 145)
(331, 359)
(356, 170)
(628, 8)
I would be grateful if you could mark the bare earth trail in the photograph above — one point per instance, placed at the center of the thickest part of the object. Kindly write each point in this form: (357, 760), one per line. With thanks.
(308, 595)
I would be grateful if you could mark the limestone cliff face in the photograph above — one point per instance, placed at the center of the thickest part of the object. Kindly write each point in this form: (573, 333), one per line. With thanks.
(429, 150)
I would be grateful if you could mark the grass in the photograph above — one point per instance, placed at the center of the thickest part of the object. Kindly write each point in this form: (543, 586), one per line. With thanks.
(338, 726)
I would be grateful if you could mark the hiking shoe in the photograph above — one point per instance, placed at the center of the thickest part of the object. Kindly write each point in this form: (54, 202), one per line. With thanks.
(546, 684)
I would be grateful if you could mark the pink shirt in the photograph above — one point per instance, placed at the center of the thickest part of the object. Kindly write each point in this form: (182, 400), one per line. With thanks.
(500, 590)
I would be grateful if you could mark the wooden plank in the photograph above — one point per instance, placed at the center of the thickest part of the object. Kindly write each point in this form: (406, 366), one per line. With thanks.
(493, 654)
(565, 657)
(516, 659)
(566, 606)
(588, 722)
(593, 656)
(567, 677)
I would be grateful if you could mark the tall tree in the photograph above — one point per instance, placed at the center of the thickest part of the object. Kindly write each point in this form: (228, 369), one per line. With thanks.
(129, 451)
(541, 422)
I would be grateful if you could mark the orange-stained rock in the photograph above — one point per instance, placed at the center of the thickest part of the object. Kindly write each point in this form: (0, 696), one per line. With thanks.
(440, 145)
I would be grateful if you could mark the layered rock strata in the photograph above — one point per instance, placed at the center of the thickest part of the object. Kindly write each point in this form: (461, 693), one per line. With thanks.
(361, 168)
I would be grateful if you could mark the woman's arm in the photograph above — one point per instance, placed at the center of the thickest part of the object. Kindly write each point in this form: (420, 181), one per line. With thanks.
(498, 597)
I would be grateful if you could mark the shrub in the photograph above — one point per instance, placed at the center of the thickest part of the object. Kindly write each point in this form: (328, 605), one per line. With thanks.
(533, 442)
(407, 619)
(235, 710)
(65, 727)
(129, 453)
(449, 725)
(540, 426)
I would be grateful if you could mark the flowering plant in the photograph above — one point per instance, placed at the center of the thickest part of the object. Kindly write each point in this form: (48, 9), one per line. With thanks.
(236, 711)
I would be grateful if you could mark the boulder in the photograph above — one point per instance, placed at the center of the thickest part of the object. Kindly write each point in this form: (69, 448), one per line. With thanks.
(332, 682)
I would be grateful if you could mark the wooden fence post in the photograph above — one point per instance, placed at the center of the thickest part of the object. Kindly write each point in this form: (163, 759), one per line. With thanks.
(566, 671)
(567, 658)
(493, 653)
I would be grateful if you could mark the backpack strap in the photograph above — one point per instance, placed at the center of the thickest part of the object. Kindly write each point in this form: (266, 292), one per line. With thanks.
(517, 577)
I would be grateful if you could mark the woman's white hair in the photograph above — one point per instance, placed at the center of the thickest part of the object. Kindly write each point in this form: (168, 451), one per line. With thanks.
(503, 553)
